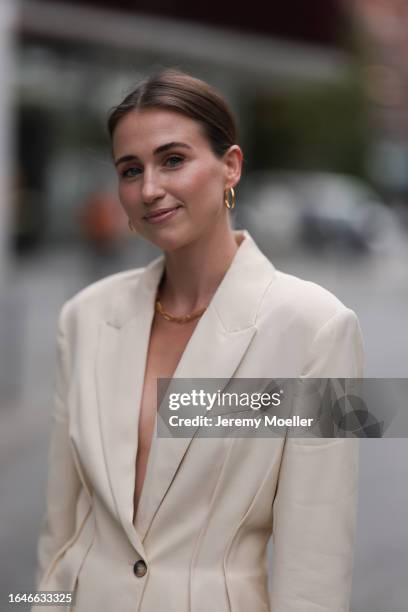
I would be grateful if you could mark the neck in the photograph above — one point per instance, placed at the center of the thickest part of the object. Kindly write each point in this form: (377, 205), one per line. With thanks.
(193, 273)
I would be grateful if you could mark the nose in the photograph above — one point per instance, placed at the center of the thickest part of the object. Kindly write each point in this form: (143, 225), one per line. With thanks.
(151, 188)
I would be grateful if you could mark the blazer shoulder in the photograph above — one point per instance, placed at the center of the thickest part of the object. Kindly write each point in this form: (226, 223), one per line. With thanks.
(302, 300)
(99, 294)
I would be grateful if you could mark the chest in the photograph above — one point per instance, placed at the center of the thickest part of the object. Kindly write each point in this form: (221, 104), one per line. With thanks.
(166, 346)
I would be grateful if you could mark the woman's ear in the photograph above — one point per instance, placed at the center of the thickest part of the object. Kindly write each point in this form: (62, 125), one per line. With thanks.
(233, 159)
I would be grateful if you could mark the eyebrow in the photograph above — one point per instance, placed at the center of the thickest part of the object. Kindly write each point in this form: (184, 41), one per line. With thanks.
(161, 149)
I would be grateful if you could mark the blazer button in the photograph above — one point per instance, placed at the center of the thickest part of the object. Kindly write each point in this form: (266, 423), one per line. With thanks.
(140, 568)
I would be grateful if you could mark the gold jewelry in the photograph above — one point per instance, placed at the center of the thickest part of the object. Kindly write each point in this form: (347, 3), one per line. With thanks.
(130, 224)
(183, 319)
(228, 204)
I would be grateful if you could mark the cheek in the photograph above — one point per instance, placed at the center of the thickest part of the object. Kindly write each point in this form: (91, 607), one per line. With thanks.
(126, 194)
(201, 182)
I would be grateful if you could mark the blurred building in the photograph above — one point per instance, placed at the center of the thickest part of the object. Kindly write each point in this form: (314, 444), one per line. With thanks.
(7, 27)
(383, 27)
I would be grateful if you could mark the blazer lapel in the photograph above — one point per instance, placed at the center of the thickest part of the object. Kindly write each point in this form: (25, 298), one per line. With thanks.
(120, 366)
(215, 350)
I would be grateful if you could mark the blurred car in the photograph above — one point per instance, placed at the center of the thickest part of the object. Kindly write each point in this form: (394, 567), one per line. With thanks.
(324, 211)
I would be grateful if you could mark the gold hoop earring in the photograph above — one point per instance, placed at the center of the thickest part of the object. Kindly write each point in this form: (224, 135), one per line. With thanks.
(130, 224)
(228, 204)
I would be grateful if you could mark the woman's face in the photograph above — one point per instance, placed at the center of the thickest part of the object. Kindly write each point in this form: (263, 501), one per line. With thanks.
(164, 161)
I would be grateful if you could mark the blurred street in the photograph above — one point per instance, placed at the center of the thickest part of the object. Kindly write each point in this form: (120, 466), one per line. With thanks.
(376, 290)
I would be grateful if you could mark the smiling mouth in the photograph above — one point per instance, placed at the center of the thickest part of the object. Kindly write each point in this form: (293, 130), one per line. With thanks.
(161, 211)
(160, 216)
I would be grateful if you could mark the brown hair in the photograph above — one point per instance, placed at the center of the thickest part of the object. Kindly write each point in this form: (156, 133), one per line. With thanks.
(177, 91)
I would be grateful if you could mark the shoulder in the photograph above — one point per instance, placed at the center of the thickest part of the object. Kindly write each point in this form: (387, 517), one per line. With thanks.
(311, 318)
(299, 301)
(96, 299)
(283, 299)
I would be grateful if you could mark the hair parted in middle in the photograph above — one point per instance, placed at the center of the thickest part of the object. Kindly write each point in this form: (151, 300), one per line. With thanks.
(177, 91)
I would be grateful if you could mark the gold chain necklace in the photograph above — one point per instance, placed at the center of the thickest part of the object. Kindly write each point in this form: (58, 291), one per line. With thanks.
(183, 319)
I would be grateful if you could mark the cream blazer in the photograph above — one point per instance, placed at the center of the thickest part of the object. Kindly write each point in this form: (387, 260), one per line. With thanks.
(208, 506)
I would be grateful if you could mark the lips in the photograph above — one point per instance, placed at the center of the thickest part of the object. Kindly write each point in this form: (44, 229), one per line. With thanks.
(162, 215)
(158, 213)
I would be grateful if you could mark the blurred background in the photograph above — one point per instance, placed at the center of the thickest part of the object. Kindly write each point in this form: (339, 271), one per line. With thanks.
(320, 91)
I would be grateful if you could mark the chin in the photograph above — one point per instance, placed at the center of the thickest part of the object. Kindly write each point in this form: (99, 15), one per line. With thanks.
(170, 239)
(178, 235)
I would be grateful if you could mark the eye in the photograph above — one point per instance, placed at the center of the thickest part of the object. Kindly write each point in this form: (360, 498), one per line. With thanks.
(175, 160)
(130, 172)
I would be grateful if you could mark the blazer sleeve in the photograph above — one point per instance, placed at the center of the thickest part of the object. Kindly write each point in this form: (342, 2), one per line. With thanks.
(314, 511)
(63, 484)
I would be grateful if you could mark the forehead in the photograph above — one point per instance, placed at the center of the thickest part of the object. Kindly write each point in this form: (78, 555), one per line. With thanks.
(141, 131)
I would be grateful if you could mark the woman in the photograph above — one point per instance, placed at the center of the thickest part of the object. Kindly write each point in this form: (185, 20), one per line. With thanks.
(141, 522)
